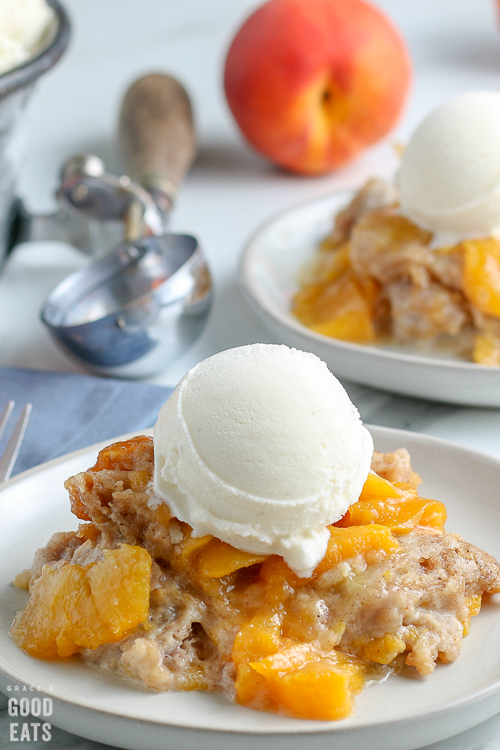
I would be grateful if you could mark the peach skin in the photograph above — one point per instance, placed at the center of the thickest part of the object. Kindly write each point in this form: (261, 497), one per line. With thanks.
(311, 83)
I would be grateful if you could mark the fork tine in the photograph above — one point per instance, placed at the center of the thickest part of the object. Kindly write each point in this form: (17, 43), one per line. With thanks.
(8, 459)
(5, 416)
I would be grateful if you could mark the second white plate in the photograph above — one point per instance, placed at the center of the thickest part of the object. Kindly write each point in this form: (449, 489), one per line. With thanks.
(268, 272)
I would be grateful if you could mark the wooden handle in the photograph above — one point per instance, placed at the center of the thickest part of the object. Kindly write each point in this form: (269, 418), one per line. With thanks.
(156, 134)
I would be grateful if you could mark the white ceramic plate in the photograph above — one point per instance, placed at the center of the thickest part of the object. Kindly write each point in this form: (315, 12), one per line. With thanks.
(268, 272)
(400, 714)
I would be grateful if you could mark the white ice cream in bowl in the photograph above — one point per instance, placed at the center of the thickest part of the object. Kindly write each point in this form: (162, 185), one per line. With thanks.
(412, 262)
(23, 26)
(449, 179)
(33, 36)
(261, 447)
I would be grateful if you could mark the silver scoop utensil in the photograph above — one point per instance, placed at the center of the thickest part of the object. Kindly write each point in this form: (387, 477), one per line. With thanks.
(132, 312)
(96, 209)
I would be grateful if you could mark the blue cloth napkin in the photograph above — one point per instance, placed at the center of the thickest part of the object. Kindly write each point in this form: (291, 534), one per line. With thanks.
(72, 411)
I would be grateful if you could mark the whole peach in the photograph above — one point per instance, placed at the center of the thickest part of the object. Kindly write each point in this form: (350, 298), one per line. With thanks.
(311, 83)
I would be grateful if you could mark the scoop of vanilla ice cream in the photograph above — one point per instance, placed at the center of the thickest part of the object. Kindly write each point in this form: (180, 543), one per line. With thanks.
(449, 180)
(23, 24)
(12, 54)
(261, 447)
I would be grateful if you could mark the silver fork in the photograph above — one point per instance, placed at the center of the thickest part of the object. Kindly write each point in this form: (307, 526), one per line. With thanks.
(10, 454)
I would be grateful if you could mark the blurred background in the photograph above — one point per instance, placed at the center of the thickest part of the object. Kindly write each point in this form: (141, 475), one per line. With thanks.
(454, 46)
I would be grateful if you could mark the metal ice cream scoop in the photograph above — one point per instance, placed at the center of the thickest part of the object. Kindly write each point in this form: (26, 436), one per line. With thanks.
(136, 309)
(96, 209)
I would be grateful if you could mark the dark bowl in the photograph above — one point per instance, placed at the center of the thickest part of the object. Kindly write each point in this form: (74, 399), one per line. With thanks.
(56, 40)
(16, 86)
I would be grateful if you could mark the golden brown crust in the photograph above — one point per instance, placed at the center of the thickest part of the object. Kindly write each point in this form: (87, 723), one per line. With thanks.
(395, 467)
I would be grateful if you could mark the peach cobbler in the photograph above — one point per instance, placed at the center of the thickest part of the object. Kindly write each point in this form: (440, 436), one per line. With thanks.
(377, 279)
(256, 547)
(134, 592)
(417, 261)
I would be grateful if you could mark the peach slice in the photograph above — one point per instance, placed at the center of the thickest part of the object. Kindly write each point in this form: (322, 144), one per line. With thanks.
(481, 279)
(473, 604)
(486, 349)
(310, 684)
(384, 649)
(396, 507)
(348, 542)
(75, 606)
(377, 487)
(218, 559)
(275, 673)
(257, 639)
(120, 456)
(341, 310)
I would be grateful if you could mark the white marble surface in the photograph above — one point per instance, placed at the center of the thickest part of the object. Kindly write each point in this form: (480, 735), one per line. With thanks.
(455, 46)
